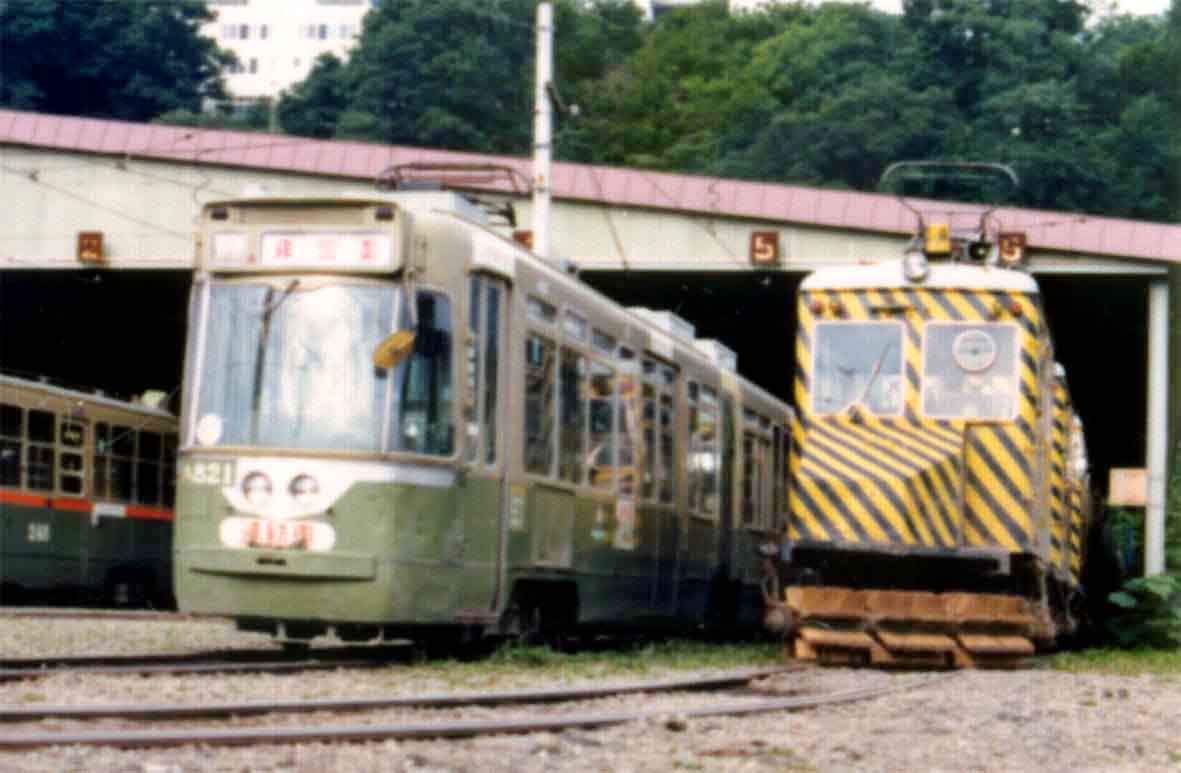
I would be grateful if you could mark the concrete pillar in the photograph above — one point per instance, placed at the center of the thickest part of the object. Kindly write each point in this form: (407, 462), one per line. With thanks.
(1158, 426)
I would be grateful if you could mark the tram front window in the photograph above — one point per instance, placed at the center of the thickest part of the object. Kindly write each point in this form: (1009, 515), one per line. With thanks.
(288, 363)
(857, 364)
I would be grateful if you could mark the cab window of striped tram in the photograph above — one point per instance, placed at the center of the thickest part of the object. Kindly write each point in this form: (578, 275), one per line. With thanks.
(12, 420)
(39, 453)
(970, 370)
(540, 376)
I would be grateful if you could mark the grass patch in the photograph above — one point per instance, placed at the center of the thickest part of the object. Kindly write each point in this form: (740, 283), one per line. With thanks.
(1118, 661)
(514, 662)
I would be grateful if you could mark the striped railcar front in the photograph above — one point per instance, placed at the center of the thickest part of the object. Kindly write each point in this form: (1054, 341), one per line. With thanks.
(911, 480)
(1060, 526)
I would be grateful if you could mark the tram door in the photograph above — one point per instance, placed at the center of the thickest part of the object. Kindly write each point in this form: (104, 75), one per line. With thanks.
(483, 483)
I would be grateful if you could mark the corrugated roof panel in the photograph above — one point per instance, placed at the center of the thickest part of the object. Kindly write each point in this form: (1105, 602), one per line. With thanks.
(331, 159)
(24, 127)
(307, 155)
(1151, 242)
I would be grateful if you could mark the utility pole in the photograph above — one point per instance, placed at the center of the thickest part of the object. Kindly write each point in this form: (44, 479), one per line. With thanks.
(543, 114)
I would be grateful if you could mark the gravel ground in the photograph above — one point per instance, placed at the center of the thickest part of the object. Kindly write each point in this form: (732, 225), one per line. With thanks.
(968, 721)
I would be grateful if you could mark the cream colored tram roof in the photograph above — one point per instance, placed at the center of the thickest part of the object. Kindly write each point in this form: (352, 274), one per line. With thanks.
(888, 274)
(87, 397)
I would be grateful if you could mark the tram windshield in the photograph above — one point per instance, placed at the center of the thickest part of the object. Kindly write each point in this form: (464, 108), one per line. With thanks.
(857, 364)
(287, 363)
(970, 370)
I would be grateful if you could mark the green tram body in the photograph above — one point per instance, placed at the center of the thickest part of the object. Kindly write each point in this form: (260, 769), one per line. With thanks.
(543, 459)
(86, 491)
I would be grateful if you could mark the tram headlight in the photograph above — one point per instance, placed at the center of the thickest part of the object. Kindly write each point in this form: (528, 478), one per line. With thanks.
(914, 266)
(304, 489)
(256, 487)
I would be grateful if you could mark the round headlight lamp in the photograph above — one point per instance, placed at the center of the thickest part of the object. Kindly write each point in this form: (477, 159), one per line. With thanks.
(256, 487)
(304, 489)
(914, 266)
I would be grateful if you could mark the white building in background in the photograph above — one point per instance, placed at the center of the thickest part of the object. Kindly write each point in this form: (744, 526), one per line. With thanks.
(277, 41)
(653, 8)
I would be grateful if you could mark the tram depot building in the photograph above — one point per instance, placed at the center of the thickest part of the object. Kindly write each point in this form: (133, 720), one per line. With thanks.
(97, 259)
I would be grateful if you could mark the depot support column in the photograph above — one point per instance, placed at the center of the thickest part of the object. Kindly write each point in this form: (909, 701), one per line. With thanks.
(1158, 426)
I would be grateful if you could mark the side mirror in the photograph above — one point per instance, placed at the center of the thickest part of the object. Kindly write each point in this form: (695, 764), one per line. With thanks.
(394, 349)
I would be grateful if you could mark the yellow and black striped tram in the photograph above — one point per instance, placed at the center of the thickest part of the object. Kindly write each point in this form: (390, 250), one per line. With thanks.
(939, 494)
(400, 423)
(86, 490)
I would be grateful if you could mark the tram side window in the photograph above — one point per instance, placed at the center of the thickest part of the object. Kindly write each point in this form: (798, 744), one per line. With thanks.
(148, 468)
(651, 462)
(631, 440)
(572, 407)
(12, 419)
(757, 488)
(471, 404)
(40, 452)
(72, 475)
(169, 466)
(482, 342)
(491, 369)
(658, 392)
(705, 450)
(602, 424)
(540, 375)
(114, 449)
(778, 474)
(667, 416)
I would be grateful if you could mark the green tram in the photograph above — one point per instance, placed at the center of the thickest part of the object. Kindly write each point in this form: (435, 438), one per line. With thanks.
(86, 490)
(400, 423)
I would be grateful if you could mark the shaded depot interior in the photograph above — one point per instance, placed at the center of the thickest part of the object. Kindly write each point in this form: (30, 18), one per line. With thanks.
(1099, 326)
(122, 332)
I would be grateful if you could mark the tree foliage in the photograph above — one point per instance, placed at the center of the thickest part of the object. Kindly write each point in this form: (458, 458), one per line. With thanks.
(826, 94)
(132, 59)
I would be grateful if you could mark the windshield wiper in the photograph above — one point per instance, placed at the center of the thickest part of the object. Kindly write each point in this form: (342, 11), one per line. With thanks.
(270, 305)
(873, 375)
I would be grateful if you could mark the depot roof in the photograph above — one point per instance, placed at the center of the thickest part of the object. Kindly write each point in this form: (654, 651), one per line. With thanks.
(613, 186)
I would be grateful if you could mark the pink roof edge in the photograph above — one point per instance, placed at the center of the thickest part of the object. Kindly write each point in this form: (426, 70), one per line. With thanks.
(1065, 231)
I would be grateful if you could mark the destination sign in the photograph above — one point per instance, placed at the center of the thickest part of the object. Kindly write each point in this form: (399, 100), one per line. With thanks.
(304, 250)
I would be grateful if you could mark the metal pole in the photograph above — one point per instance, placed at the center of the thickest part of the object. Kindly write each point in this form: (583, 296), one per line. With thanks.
(542, 129)
(1158, 426)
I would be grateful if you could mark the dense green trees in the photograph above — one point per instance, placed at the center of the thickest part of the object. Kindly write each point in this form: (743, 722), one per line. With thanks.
(131, 59)
(814, 94)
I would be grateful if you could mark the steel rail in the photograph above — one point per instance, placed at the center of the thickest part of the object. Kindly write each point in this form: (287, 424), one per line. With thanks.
(509, 697)
(138, 739)
(199, 662)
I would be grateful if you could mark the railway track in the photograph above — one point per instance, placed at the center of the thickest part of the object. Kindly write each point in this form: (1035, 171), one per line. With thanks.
(747, 703)
(263, 660)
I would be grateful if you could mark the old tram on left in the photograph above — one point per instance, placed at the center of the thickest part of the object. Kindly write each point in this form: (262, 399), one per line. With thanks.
(86, 490)
(400, 423)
